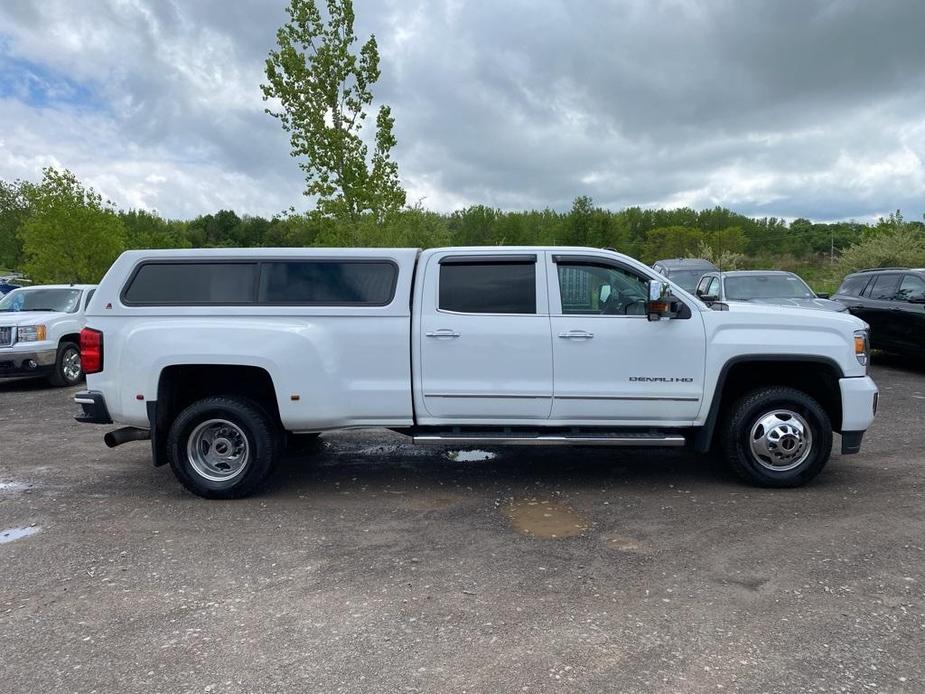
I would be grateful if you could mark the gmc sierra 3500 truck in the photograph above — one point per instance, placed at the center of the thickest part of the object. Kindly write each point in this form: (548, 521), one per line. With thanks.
(218, 355)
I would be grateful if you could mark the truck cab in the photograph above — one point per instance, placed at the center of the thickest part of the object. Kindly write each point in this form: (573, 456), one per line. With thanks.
(218, 355)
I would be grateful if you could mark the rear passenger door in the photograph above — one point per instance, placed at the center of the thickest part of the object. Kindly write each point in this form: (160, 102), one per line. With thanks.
(484, 339)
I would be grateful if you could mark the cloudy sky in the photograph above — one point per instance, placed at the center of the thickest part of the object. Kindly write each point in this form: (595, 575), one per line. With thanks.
(791, 108)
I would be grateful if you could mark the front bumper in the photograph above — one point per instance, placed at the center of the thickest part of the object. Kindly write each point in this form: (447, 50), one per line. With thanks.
(16, 362)
(859, 398)
(94, 409)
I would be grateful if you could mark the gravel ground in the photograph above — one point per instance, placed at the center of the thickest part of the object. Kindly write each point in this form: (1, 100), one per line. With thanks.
(369, 565)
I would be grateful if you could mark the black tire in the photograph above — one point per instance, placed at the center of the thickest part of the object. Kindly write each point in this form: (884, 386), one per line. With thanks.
(745, 416)
(59, 377)
(251, 430)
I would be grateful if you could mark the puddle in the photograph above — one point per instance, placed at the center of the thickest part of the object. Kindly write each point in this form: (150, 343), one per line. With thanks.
(11, 534)
(469, 456)
(545, 519)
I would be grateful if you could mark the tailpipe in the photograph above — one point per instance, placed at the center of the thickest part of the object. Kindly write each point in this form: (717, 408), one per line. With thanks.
(126, 434)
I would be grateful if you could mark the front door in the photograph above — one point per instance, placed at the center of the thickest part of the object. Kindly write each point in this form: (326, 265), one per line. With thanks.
(484, 338)
(909, 314)
(612, 365)
(877, 309)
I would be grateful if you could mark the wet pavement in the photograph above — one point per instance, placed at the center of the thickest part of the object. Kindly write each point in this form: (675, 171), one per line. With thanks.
(370, 565)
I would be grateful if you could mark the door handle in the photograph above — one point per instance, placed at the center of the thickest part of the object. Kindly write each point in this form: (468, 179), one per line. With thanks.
(577, 335)
(445, 332)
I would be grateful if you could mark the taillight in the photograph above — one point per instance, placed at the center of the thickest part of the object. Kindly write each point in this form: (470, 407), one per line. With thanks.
(91, 350)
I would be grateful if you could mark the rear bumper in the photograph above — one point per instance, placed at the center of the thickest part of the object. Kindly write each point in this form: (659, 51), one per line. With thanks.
(93, 406)
(26, 363)
(859, 405)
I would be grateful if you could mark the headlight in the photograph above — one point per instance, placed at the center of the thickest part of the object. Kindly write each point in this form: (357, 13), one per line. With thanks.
(861, 347)
(30, 333)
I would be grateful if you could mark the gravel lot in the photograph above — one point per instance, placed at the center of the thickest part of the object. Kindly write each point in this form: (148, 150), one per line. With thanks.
(370, 565)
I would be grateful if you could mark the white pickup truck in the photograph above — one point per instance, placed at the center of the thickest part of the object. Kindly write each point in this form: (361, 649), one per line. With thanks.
(218, 355)
(40, 331)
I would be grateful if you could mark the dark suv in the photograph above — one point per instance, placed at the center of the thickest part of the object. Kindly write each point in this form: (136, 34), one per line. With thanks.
(685, 272)
(892, 301)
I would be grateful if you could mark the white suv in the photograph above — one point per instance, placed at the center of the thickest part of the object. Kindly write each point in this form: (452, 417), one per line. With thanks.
(40, 332)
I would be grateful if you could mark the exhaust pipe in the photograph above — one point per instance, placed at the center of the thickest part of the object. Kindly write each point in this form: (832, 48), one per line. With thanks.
(126, 434)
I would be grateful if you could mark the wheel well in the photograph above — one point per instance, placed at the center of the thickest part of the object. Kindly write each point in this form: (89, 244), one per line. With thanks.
(182, 385)
(71, 337)
(818, 379)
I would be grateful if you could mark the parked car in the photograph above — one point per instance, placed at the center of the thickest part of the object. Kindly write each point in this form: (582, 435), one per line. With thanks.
(892, 301)
(772, 287)
(40, 332)
(216, 355)
(685, 272)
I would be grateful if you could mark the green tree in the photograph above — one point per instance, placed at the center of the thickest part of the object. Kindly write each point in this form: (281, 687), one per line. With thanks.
(145, 229)
(14, 209)
(71, 235)
(324, 89)
(899, 247)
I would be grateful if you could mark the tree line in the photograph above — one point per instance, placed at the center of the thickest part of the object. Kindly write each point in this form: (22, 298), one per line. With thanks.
(61, 230)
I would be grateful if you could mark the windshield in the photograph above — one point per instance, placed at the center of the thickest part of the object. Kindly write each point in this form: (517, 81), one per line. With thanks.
(39, 299)
(687, 279)
(767, 287)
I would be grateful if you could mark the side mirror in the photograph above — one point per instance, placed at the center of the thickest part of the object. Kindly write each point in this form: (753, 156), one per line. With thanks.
(823, 295)
(708, 298)
(659, 304)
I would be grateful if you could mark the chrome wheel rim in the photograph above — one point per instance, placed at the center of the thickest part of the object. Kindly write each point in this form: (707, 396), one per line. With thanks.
(781, 440)
(70, 365)
(218, 450)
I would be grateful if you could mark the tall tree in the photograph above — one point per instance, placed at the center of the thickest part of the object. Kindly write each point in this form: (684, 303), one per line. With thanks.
(71, 235)
(14, 209)
(324, 89)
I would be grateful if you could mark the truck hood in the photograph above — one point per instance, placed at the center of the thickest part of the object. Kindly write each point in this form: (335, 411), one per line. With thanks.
(815, 303)
(30, 317)
(779, 314)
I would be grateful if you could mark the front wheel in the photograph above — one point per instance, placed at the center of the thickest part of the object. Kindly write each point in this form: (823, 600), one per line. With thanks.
(67, 370)
(222, 447)
(778, 437)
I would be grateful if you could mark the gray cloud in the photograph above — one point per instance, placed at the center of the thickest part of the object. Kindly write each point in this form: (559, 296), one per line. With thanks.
(790, 108)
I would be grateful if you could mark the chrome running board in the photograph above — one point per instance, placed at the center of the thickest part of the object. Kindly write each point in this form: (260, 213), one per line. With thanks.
(628, 439)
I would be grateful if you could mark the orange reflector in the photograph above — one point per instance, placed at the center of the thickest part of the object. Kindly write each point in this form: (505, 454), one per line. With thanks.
(858, 344)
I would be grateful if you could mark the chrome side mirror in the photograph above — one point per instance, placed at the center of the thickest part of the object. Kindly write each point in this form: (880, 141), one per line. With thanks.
(659, 304)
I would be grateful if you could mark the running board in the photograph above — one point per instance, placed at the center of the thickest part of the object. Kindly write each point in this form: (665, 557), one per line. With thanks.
(628, 439)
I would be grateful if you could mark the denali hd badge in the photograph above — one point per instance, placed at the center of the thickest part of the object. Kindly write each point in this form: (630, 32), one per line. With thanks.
(660, 379)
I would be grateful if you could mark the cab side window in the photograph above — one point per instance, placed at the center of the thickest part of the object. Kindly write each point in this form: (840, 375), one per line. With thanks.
(911, 288)
(590, 289)
(853, 286)
(479, 286)
(885, 287)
